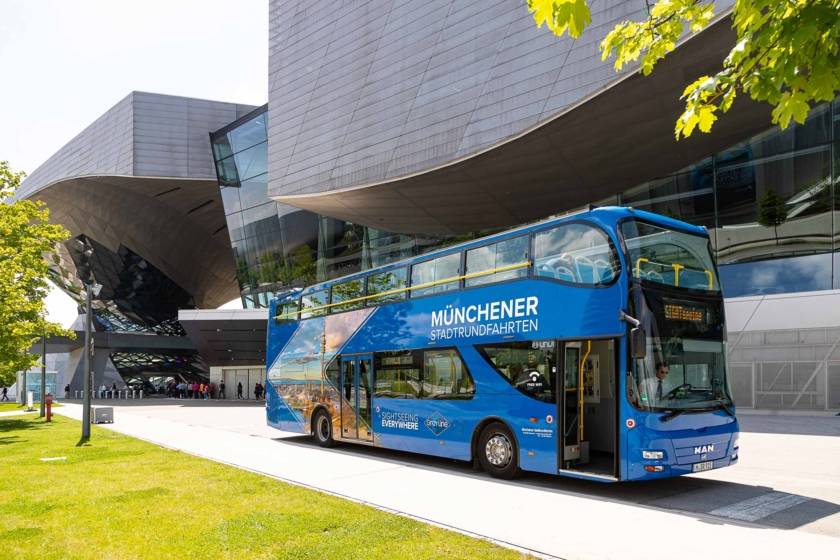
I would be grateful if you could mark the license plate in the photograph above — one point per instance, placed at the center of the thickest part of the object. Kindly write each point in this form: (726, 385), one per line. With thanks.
(705, 466)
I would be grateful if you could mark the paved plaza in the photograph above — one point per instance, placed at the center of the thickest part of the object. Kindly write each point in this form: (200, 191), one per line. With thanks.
(781, 501)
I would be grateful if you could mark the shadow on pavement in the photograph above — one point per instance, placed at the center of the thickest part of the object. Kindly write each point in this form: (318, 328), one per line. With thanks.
(708, 500)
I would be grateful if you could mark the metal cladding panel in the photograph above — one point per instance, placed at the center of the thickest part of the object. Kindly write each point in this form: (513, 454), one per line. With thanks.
(104, 147)
(141, 177)
(375, 90)
(143, 135)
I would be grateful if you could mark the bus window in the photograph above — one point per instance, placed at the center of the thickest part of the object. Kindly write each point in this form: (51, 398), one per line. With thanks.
(445, 376)
(347, 291)
(397, 374)
(497, 256)
(386, 282)
(433, 271)
(531, 367)
(310, 304)
(576, 253)
(287, 311)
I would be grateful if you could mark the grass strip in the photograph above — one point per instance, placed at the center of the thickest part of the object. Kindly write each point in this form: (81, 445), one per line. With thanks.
(119, 497)
(16, 406)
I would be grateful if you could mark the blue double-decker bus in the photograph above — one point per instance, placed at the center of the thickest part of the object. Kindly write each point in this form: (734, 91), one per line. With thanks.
(589, 345)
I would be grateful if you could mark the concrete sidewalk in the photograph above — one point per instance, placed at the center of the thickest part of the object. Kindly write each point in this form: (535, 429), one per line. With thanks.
(550, 516)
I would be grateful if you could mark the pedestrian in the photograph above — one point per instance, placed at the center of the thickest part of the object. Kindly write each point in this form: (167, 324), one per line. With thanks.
(5, 394)
(102, 390)
(114, 390)
(222, 390)
(67, 391)
(206, 391)
(239, 390)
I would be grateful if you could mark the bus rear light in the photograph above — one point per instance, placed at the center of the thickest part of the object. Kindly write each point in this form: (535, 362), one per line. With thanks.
(654, 468)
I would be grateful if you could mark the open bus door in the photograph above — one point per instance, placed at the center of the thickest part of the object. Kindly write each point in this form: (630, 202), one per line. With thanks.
(587, 405)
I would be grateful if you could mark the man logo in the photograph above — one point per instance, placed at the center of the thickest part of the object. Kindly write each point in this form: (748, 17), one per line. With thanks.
(704, 449)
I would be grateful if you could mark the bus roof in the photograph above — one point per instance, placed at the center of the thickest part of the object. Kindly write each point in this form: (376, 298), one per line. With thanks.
(612, 214)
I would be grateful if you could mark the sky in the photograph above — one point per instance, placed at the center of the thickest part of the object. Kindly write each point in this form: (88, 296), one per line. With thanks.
(65, 62)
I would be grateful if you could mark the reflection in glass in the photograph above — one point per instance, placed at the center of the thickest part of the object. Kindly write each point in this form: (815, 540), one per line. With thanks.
(247, 134)
(777, 276)
(383, 282)
(499, 255)
(433, 272)
(576, 253)
(669, 257)
(346, 292)
(251, 162)
(314, 304)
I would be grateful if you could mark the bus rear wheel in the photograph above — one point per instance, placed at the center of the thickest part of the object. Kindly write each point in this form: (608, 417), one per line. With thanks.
(322, 427)
(497, 452)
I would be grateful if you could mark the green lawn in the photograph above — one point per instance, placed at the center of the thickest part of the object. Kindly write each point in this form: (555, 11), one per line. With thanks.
(10, 406)
(118, 497)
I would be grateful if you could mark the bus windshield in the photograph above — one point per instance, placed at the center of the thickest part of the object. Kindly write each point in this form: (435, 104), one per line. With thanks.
(669, 257)
(679, 302)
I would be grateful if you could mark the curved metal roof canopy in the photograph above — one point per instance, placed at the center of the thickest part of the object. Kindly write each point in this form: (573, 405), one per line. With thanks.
(618, 138)
(140, 183)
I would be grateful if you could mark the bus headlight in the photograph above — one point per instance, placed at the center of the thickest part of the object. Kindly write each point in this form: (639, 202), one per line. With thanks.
(653, 454)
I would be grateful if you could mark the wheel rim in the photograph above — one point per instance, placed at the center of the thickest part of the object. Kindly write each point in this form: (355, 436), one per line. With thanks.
(498, 450)
(323, 428)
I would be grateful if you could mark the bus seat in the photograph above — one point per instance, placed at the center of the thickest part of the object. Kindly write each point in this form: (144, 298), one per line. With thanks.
(654, 276)
(585, 275)
(563, 273)
(603, 270)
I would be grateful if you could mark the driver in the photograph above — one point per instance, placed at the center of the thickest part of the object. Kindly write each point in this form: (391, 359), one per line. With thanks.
(656, 388)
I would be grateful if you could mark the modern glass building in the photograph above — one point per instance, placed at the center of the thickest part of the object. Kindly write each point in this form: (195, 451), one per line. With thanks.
(770, 203)
(277, 247)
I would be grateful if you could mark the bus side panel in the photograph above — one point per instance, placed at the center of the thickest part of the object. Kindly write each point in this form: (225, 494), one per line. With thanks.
(445, 428)
(278, 413)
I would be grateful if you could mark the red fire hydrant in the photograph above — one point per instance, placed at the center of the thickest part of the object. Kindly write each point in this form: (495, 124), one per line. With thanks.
(48, 402)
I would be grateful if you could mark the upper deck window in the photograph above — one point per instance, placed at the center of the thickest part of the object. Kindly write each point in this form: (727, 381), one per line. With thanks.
(385, 282)
(669, 257)
(287, 311)
(314, 304)
(350, 292)
(497, 262)
(432, 272)
(577, 253)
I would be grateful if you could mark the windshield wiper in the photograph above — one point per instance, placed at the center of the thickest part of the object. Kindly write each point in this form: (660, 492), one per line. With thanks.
(671, 414)
(726, 408)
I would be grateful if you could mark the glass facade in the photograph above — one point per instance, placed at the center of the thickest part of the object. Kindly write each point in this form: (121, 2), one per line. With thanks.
(276, 246)
(770, 203)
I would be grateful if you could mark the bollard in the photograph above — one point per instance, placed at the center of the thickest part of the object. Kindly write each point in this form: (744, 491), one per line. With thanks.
(141, 394)
(48, 402)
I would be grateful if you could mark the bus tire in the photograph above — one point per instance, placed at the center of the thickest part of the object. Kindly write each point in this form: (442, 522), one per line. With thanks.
(497, 451)
(322, 428)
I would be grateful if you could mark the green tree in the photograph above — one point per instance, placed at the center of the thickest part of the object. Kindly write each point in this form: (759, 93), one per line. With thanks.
(772, 211)
(26, 237)
(786, 52)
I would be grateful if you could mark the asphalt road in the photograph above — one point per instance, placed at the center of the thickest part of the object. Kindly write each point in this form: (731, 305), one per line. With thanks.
(785, 488)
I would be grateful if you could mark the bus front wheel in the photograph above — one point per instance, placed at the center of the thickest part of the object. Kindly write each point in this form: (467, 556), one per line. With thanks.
(322, 426)
(497, 451)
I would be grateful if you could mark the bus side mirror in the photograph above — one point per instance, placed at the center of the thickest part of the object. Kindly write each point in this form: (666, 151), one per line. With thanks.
(638, 343)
